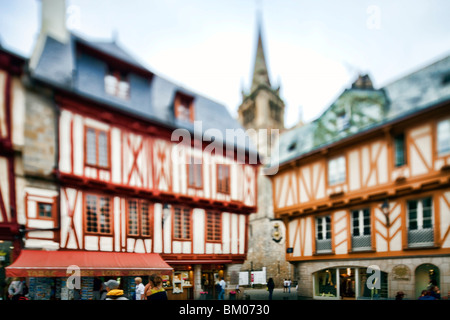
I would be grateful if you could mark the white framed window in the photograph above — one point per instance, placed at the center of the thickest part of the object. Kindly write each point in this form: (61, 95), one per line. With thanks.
(323, 234)
(323, 228)
(336, 170)
(361, 229)
(420, 222)
(361, 222)
(443, 137)
(117, 84)
(420, 214)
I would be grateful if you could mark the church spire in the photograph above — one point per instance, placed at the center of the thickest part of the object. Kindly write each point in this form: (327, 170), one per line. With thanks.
(260, 72)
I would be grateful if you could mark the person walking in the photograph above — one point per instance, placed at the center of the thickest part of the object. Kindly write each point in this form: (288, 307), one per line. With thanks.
(154, 290)
(222, 285)
(15, 289)
(270, 287)
(139, 291)
(114, 293)
(289, 285)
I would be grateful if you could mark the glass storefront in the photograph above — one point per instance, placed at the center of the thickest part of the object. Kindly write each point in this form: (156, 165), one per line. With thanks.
(348, 283)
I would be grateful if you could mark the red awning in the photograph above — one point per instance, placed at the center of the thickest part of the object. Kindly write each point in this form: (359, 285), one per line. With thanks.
(36, 263)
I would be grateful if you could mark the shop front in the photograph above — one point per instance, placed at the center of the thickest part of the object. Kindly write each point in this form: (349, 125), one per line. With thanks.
(348, 283)
(196, 279)
(77, 275)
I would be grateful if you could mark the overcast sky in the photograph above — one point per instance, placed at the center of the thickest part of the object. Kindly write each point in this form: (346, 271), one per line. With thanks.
(314, 49)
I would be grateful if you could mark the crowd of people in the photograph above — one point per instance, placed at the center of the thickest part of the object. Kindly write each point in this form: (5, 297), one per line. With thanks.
(109, 290)
(152, 291)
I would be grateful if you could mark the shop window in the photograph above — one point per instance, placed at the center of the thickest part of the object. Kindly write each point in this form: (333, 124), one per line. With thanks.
(223, 178)
(195, 175)
(98, 214)
(325, 283)
(97, 145)
(378, 289)
(139, 218)
(399, 150)
(182, 224)
(361, 227)
(336, 171)
(323, 234)
(443, 137)
(420, 222)
(117, 84)
(350, 283)
(426, 275)
(213, 226)
(184, 107)
(45, 210)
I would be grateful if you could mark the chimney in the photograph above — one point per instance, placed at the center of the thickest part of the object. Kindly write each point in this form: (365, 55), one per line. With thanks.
(53, 24)
(53, 19)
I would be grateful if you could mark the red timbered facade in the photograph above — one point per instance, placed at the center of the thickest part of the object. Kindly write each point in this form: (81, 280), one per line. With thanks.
(11, 66)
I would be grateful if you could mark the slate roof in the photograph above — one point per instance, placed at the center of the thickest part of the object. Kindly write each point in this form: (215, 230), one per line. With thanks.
(57, 65)
(417, 91)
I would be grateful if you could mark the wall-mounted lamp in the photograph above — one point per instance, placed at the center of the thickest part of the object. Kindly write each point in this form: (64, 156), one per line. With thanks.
(385, 210)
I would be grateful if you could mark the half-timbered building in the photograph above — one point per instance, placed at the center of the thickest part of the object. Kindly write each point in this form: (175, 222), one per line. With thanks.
(364, 190)
(143, 166)
(11, 68)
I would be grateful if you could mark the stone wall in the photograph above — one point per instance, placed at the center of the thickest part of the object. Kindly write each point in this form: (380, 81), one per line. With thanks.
(265, 248)
(39, 150)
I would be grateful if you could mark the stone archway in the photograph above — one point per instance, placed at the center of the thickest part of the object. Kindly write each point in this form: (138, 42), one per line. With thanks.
(425, 275)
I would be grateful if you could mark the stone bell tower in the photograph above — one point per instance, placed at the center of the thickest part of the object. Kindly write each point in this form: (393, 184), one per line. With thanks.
(262, 108)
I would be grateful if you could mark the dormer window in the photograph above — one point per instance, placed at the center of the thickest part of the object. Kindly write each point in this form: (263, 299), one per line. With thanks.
(117, 84)
(342, 121)
(184, 107)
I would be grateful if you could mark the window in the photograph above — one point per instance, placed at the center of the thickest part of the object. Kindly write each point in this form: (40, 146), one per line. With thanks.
(182, 223)
(342, 121)
(361, 229)
(116, 84)
(399, 150)
(98, 214)
(443, 137)
(336, 170)
(420, 222)
(223, 178)
(213, 226)
(184, 107)
(323, 234)
(248, 115)
(45, 210)
(138, 218)
(97, 147)
(195, 176)
(275, 111)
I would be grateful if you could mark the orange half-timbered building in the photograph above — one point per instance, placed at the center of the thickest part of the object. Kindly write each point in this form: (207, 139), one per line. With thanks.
(367, 186)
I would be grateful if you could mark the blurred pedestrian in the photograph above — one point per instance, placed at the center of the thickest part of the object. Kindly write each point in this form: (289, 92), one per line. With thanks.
(155, 289)
(222, 285)
(114, 293)
(139, 288)
(270, 287)
(435, 292)
(15, 289)
(400, 295)
(425, 295)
